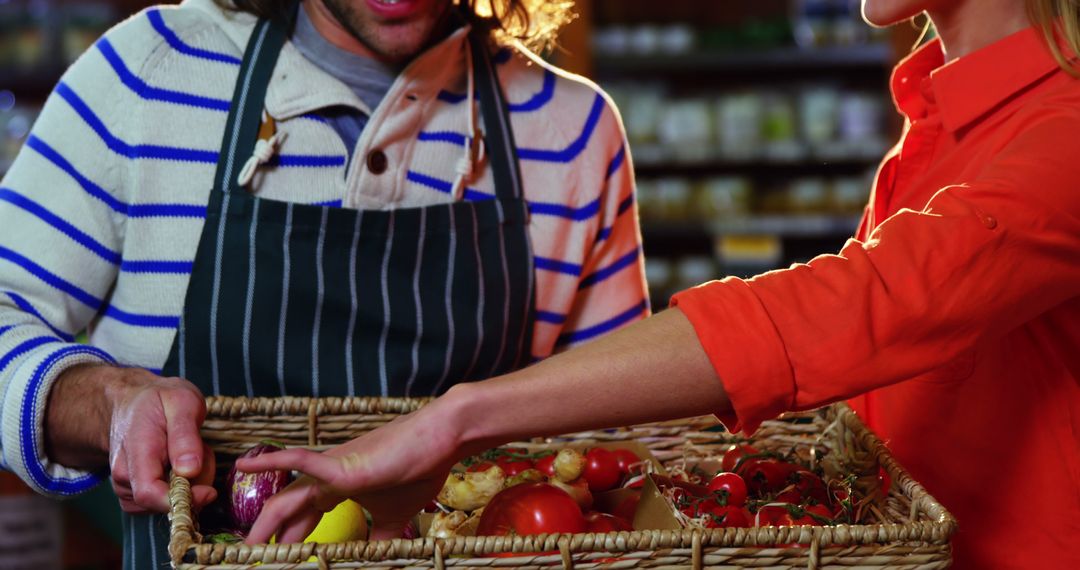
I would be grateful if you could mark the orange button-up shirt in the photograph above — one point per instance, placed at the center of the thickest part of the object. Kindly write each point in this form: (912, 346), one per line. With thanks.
(953, 318)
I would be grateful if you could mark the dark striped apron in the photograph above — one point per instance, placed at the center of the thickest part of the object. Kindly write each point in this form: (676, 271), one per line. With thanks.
(289, 299)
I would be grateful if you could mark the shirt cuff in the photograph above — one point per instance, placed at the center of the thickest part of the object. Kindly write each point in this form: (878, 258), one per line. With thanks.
(745, 349)
(23, 416)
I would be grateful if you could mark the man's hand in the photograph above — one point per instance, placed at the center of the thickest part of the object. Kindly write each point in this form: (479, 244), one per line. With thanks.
(393, 472)
(139, 424)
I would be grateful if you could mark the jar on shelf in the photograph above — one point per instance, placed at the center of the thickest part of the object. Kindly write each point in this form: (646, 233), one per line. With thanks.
(658, 274)
(685, 128)
(819, 114)
(24, 35)
(779, 129)
(739, 120)
(723, 197)
(808, 195)
(83, 24)
(695, 270)
(673, 198)
(849, 194)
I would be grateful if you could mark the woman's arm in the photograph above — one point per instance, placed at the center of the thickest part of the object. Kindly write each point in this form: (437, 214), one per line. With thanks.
(649, 371)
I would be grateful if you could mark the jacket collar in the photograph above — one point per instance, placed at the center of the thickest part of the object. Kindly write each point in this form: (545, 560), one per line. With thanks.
(299, 86)
(969, 87)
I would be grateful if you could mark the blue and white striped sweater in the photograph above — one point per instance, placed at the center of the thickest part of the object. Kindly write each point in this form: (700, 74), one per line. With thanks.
(102, 210)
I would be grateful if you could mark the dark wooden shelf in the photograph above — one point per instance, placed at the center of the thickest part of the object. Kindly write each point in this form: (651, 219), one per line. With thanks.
(820, 60)
(758, 168)
(35, 84)
(790, 226)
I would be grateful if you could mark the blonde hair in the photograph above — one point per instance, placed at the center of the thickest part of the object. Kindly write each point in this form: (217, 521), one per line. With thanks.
(1059, 19)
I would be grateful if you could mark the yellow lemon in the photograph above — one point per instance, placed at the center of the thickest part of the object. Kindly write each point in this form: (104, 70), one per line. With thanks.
(346, 522)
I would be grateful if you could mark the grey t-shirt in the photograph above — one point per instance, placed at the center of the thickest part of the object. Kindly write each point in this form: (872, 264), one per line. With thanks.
(368, 78)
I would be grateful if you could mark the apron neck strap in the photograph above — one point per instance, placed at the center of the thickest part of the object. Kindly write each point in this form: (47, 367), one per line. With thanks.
(500, 137)
(257, 68)
(245, 113)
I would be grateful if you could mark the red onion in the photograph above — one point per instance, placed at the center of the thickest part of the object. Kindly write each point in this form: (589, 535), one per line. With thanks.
(248, 492)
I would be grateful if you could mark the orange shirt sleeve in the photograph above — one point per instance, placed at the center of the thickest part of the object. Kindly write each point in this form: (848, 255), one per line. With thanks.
(982, 258)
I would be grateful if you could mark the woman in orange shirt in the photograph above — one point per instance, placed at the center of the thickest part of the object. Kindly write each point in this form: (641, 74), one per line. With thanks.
(952, 320)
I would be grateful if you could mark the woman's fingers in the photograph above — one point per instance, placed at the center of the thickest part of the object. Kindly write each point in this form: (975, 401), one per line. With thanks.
(278, 510)
(298, 527)
(310, 463)
(388, 531)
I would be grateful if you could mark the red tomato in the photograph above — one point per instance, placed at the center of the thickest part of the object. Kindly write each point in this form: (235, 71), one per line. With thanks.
(728, 517)
(628, 507)
(731, 484)
(765, 475)
(810, 486)
(546, 465)
(628, 461)
(635, 482)
(733, 456)
(769, 514)
(601, 470)
(532, 508)
(511, 468)
(603, 522)
(791, 496)
(886, 481)
(482, 466)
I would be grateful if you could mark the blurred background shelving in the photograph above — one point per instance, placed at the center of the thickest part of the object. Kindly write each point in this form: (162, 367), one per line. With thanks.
(38, 40)
(755, 127)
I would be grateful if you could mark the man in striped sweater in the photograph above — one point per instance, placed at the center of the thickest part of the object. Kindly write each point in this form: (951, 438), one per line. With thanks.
(368, 111)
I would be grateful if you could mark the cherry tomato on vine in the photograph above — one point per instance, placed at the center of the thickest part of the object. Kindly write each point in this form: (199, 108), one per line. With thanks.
(479, 467)
(511, 468)
(546, 465)
(733, 485)
(732, 457)
(601, 470)
(728, 517)
(627, 461)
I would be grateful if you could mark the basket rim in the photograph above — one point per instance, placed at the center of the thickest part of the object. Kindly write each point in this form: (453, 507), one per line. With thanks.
(185, 551)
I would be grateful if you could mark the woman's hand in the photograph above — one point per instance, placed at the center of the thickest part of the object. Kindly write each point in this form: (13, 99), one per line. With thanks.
(393, 472)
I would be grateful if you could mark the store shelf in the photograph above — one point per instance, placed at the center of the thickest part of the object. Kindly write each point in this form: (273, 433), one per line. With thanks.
(787, 226)
(831, 59)
(756, 168)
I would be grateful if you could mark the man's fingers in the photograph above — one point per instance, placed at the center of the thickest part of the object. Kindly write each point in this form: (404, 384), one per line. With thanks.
(184, 412)
(145, 456)
(152, 495)
(203, 495)
(307, 462)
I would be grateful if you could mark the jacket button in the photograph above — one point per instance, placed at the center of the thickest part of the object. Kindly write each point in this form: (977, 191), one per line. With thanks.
(376, 161)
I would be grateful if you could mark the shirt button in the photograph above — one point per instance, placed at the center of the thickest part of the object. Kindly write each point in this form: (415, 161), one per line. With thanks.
(988, 221)
(376, 161)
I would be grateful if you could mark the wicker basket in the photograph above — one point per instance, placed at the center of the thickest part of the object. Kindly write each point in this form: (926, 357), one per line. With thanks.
(907, 529)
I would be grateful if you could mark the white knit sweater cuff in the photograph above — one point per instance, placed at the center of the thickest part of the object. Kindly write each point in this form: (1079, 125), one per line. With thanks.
(24, 419)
